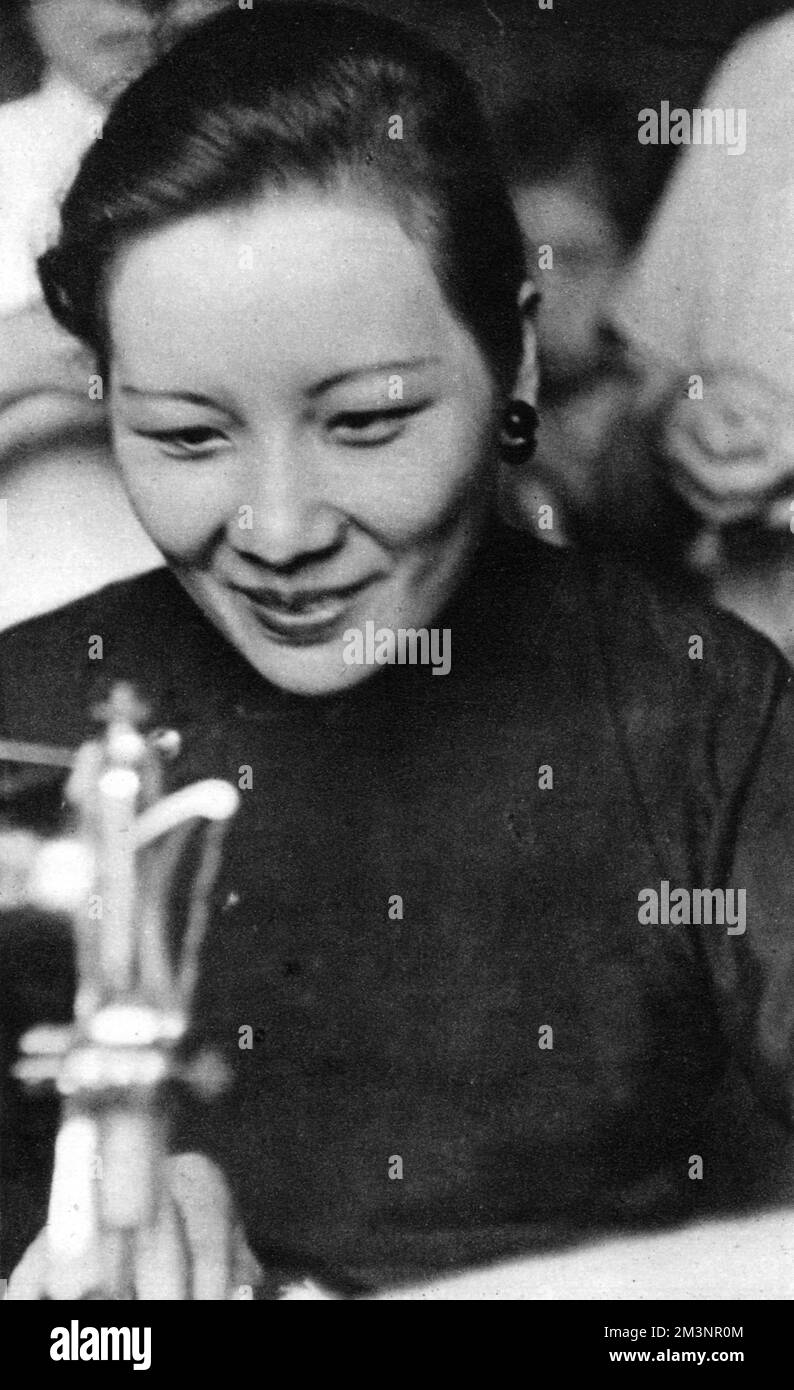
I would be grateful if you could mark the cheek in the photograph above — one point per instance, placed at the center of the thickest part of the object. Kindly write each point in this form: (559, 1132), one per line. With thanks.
(433, 477)
(180, 506)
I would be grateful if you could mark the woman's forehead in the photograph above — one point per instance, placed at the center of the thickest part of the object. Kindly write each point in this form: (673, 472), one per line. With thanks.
(284, 228)
(306, 274)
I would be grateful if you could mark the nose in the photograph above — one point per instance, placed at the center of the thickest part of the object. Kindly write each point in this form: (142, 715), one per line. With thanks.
(283, 512)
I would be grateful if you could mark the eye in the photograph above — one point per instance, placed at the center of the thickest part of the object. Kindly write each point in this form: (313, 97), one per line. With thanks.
(198, 441)
(365, 428)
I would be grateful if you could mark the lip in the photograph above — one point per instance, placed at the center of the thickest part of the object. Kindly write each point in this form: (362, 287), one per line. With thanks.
(305, 616)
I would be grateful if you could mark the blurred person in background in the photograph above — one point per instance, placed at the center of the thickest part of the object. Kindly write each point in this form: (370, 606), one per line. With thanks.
(580, 194)
(91, 50)
(702, 482)
(67, 523)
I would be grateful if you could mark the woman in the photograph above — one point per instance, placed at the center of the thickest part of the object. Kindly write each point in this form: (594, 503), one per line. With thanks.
(300, 271)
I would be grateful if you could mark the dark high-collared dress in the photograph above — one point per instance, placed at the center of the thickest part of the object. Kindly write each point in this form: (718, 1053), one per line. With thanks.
(428, 914)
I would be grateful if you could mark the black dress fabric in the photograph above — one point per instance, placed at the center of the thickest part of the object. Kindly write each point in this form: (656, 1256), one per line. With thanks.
(424, 1037)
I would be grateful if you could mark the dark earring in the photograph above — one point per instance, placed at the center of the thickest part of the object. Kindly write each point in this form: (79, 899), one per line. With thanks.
(519, 430)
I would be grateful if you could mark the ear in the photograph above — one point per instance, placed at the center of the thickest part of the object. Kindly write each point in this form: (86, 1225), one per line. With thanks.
(527, 377)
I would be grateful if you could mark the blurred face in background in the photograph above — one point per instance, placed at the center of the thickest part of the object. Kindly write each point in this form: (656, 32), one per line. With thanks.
(102, 45)
(569, 215)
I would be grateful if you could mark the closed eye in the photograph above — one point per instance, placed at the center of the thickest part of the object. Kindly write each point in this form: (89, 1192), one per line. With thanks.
(195, 442)
(366, 428)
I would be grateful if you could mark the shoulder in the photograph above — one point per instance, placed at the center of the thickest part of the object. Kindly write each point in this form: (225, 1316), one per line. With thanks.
(125, 607)
(51, 665)
(680, 676)
(644, 629)
(601, 601)
(689, 706)
(704, 643)
(668, 668)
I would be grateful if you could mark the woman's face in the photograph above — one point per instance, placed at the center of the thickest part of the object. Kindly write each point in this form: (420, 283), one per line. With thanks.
(100, 44)
(569, 214)
(103, 44)
(304, 427)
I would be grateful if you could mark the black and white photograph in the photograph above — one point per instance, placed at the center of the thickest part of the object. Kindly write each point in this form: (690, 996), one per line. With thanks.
(396, 628)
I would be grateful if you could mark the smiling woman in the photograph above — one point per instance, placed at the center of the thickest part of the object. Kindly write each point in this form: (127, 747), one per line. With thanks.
(281, 419)
(463, 1045)
(234, 213)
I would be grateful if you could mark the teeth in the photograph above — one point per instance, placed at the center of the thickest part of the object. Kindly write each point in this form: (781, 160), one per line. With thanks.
(316, 608)
(321, 609)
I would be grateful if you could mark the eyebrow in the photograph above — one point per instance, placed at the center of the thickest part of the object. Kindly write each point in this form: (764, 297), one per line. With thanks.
(413, 364)
(190, 396)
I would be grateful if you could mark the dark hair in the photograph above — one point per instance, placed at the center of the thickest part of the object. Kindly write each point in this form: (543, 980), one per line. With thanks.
(253, 100)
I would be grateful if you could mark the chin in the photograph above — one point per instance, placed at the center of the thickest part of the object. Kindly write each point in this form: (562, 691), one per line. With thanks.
(314, 673)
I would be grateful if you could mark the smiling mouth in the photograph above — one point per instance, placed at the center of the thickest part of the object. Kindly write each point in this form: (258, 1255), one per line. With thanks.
(304, 617)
